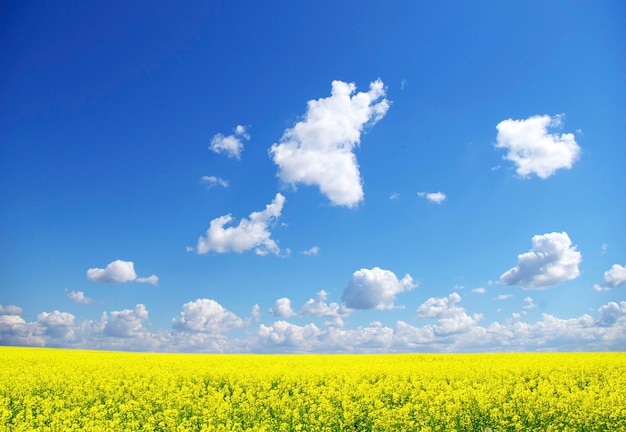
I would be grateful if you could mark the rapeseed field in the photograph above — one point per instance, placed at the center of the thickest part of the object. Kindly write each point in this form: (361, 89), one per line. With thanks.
(65, 390)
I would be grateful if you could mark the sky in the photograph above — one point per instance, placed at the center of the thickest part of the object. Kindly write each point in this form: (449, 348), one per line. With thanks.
(328, 176)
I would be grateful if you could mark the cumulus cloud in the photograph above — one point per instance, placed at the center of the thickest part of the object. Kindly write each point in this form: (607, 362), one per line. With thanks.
(211, 181)
(230, 145)
(319, 307)
(436, 197)
(127, 323)
(250, 233)
(479, 290)
(533, 149)
(119, 272)
(375, 289)
(282, 308)
(551, 261)
(319, 149)
(613, 278)
(10, 310)
(529, 304)
(206, 316)
(57, 324)
(314, 251)
(450, 317)
(78, 297)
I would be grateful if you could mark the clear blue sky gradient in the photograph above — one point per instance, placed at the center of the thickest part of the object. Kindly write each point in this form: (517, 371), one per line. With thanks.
(108, 109)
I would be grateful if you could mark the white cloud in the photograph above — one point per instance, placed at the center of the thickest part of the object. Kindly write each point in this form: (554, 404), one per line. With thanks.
(206, 316)
(211, 181)
(231, 145)
(529, 304)
(375, 289)
(57, 324)
(314, 251)
(450, 317)
(250, 233)
(119, 272)
(533, 149)
(319, 149)
(504, 296)
(256, 313)
(551, 260)
(152, 280)
(436, 197)
(613, 278)
(127, 323)
(320, 308)
(282, 308)
(394, 196)
(479, 290)
(10, 310)
(78, 297)
(14, 330)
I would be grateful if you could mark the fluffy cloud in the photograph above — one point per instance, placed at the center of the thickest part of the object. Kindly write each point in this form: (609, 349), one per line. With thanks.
(206, 316)
(282, 308)
(314, 251)
(10, 310)
(533, 149)
(211, 181)
(127, 323)
(119, 272)
(319, 149)
(231, 145)
(529, 304)
(436, 197)
(57, 324)
(551, 260)
(78, 297)
(319, 307)
(250, 233)
(14, 330)
(450, 317)
(375, 289)
(613, 278)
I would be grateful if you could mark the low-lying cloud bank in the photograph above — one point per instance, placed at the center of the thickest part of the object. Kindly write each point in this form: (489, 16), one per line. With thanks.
(203, 325)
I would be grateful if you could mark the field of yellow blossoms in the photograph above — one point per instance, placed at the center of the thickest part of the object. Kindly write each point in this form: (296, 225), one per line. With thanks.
(64, 390)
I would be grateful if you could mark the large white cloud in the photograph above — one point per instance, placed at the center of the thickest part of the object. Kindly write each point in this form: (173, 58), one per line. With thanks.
(282, 308)
(231, 145)
(450, 317)
(533, 149)
(206, 316)
(57, 324)
(127, 323)
(375, 289)
(10, 310)
(119, 272)
(613, 278)
(319, 149)
(250, 233)
(551, 260)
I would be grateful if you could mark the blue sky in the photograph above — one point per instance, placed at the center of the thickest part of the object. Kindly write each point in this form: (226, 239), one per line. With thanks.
(313, 177)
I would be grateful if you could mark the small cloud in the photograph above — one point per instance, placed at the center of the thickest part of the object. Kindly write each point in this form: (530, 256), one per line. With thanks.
(504, 296)
(10, 310)
(375, 289)
(256, 313)
(613, 278)
(529, 304)
(479, 290)
(206, 316)
(152, 280)
(119, 272)
(282, 308)
(604, 248)
(231, 145)
(248, 234)
(436, 197)
(211, 181)
(314, 251)
(319, 149)
(551, 261)
(394, 196)
(320, 308)
(78, 297)
(535, 151)
(403, 83)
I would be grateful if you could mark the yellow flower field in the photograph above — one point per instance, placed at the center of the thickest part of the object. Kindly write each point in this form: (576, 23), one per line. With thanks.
(64, 390)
